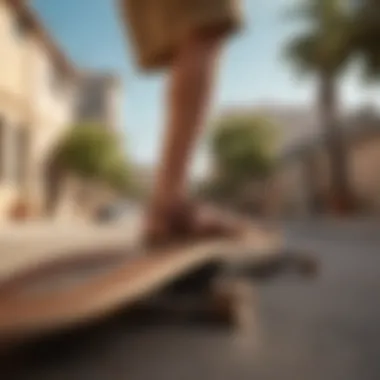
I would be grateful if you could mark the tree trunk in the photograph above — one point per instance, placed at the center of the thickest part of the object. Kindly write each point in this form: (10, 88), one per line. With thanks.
(340, 199)
(311, 183)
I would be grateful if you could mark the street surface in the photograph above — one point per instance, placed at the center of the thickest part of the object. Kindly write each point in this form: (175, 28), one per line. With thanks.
(322, 329)
(28, 244)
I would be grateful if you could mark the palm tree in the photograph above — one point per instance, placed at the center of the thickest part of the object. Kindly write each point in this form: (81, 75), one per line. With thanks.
(324, 49)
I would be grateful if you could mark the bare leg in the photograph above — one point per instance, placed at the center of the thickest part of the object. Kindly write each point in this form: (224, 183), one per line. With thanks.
(190, 90)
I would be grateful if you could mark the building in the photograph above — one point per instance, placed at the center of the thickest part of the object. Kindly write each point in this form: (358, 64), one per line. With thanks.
(294, 123)
(37, 84)
(99, 100)
(301, 184)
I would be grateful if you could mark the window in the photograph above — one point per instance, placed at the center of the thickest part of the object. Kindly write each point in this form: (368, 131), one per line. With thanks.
(21, 26)
(23, 149)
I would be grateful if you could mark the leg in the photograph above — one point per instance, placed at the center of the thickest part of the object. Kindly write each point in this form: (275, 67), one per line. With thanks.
(190, 89)
(186, 36)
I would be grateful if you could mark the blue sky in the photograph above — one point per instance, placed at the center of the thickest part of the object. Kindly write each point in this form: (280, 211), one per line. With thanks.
(253, 70)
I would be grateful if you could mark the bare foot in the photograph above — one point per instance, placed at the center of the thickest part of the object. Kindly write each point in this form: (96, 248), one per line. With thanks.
(190, 222)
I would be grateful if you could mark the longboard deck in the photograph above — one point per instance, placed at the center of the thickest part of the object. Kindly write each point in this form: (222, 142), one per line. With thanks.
(60, 294)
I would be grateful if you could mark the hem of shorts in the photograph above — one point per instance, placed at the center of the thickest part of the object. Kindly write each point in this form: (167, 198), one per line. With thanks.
(163, 61)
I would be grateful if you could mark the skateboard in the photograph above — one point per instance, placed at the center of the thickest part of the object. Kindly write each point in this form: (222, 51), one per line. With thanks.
(202, 277)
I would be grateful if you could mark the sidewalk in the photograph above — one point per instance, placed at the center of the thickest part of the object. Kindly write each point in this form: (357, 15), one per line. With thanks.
(25, 245)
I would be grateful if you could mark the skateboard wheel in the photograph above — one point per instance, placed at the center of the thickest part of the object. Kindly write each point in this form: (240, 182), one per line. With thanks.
(232, 302)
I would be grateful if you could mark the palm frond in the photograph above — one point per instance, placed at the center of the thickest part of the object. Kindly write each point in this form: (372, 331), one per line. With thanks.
(302, 50)
(327, 44)
(366, 34)
(371, 65)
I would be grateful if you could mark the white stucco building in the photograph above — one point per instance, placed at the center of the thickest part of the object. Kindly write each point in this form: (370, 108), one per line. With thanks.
(37, 87)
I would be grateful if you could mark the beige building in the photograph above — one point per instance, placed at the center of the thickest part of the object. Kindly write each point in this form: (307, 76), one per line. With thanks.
(300, 186)
(301, 183)
(36, 103)
(99, 100)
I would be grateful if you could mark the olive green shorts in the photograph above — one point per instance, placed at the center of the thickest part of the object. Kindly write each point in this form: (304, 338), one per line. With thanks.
(157, 27)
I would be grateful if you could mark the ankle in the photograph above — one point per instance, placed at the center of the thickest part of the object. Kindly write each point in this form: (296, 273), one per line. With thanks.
(162, 208)
(169, 217)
